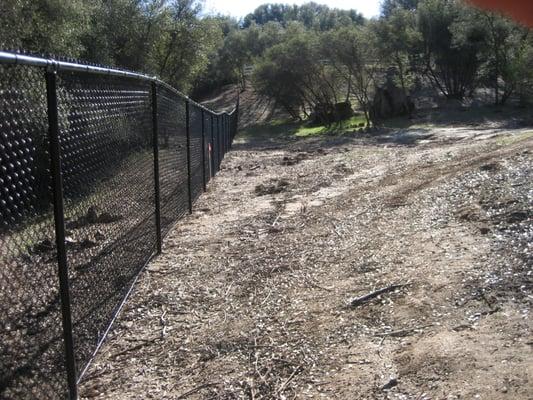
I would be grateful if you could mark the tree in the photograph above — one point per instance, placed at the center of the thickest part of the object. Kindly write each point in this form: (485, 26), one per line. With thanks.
(45, 26)
(388, 7)
(311, 15)
(352, 51)
(294, 75)
(451, 63)
(181, 52)
(505, 45)
(398, 43)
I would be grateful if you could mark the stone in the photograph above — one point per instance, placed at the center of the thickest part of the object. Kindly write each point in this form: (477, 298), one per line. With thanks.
(390, 101)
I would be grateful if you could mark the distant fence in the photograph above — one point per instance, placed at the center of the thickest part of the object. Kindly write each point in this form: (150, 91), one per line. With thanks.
(96, 165)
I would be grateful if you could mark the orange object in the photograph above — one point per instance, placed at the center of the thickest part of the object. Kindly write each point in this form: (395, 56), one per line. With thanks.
(520, 10)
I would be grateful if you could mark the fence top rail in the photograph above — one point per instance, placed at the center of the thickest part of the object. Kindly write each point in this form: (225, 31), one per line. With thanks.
(22, 59)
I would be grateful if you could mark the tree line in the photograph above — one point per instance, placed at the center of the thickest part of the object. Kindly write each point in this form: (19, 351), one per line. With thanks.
(161, 37)
(443, 44)
(304, 57)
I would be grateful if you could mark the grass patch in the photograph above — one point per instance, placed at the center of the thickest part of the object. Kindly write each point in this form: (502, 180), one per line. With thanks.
(448, 117)
(278, 128)
(357, 121)
(515, 138)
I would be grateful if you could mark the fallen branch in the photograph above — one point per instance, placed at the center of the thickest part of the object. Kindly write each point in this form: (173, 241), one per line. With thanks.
(197, 389)
(146, 342)
(372, 295)
(284, 385)
(403, 332)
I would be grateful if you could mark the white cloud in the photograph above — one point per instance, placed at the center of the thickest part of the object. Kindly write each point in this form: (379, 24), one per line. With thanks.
(239, 8)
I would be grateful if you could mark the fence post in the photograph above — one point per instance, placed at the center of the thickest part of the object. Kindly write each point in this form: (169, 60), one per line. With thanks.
(235, 124)
(221, 133)
(225, 134)
(220, 137)
(188, 132)
(220, 143)
(59, 222)
(157, 194)
(227, 131)
(212, 152)
(203, 151)
(217, 141)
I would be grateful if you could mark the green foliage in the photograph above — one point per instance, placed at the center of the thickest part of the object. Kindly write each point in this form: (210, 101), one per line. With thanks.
(163, 37)
(286, 69)
(505, 62)
(185, 42)
(398, 43)
(311, 15)
(353, 54)
(451, 61)
(389, 7)
(295, 74)
(45, 26)
(294, 130)
(340, 127)
(305, 57)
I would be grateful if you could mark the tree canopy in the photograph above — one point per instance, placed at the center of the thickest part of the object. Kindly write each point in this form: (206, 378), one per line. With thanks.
(301, 55)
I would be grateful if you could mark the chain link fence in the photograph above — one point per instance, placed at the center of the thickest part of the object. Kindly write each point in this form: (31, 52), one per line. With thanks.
(96, 166)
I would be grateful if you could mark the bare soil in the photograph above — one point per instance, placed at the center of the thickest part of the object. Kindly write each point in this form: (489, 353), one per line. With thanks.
(251, 298)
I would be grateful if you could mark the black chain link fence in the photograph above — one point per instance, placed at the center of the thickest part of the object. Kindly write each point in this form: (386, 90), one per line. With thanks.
(96, 165)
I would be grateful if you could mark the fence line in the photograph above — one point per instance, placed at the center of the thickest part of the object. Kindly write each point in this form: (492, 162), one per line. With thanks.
(96, 166)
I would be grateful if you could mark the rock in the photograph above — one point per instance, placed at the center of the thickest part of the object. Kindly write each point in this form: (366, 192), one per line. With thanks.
(92, 215)
(343, 110)
(494, 166)
(484, 229)
(288, 160)
(69, 242)
(390, 101)
(390, 384)
(44, 246)
(99, 236)
(517, 216)
(272, 187)
(107, 218)
(87, 243)
(328, 113)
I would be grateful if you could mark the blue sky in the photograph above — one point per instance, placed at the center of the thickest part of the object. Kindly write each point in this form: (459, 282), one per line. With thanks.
(239, 8)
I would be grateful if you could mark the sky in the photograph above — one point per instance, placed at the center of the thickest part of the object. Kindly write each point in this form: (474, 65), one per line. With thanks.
(240, 8)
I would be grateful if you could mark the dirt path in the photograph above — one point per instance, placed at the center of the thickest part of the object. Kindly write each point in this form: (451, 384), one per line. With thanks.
(251, 297)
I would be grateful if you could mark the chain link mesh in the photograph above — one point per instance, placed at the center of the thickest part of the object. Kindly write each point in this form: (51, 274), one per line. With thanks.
(106, 137)
(172, 157)
(107, 165)
(207, 145)
(196, 153)
(31, 347)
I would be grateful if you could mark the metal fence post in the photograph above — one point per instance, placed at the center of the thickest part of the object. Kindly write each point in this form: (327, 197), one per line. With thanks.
(188, 132)
(225, 120)
(157, 194)
(225, 134)
(59, 222)
(212, 152)
(203, 151)
(227, 131)
(219, 141)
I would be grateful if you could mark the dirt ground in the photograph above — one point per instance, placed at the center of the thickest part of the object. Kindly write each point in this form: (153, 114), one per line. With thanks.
(253, 296)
